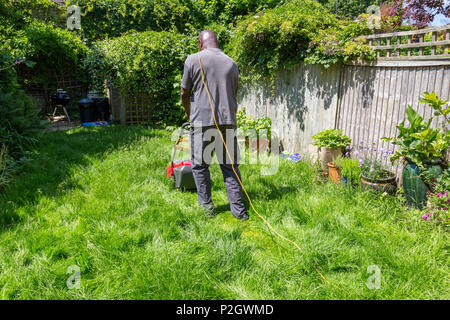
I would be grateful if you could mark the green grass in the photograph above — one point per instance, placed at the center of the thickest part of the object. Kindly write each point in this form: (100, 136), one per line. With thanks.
(97, 198)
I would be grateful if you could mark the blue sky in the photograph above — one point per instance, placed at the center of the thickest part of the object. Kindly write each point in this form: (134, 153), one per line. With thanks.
(441, 20)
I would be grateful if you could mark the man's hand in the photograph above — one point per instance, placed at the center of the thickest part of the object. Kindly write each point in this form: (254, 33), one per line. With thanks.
(186, 101)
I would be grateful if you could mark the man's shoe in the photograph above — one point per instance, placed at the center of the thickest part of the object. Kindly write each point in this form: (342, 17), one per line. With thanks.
(210, 214)
(243, 217)
(210, 211)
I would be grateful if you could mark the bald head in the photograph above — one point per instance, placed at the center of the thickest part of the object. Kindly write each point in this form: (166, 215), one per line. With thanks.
(207, 39)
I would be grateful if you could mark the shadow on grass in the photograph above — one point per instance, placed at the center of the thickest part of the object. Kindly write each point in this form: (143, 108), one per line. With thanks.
(47, 174)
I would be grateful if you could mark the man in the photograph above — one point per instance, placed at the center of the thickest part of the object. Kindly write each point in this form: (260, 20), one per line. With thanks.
(221, 76)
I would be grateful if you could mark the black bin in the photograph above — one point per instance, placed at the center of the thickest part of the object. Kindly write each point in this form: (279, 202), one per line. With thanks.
(102, 109)
(86, 107)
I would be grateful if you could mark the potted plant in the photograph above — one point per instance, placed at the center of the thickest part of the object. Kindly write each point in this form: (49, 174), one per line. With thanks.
(375, 175)
(351, 172)
(331, 143)
(334, 169)
(256, 132)
(423, 150)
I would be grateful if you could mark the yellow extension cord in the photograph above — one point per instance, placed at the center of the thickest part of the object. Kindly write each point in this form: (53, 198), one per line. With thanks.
(242, 185)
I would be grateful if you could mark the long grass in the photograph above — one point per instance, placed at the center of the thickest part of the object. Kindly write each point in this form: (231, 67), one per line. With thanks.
(96, 198)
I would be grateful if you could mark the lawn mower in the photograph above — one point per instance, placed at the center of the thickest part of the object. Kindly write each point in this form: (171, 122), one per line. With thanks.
(181, 170)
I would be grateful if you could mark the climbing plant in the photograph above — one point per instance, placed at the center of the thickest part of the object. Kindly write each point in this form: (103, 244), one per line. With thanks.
(295, 31)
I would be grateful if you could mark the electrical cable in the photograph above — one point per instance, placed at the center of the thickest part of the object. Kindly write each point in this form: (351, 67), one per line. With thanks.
(242, 185)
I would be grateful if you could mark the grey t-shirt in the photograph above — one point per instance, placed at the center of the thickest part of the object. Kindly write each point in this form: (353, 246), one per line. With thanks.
(222, 77)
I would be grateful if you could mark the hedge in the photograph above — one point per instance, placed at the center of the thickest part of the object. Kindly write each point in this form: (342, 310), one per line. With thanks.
(55, 51)
(103, 19)
(150, 62)
(296, 31)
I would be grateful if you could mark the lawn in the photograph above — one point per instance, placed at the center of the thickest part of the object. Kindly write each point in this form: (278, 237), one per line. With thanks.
(96, 198)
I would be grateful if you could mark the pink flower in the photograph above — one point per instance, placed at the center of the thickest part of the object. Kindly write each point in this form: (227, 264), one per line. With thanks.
(426, 217)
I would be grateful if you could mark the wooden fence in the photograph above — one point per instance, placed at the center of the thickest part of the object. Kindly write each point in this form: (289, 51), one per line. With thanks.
(373, 97)
(413, 44)
(366, 100)
(130, 109)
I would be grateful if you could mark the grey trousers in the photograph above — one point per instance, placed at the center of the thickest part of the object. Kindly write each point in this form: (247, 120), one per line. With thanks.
(204, 141)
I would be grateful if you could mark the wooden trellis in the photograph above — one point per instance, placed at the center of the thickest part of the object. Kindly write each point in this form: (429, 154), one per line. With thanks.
(412, 44)
(131, 109)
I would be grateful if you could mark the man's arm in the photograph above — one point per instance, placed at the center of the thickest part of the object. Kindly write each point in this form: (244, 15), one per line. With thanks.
(186, 85)
(186, 101)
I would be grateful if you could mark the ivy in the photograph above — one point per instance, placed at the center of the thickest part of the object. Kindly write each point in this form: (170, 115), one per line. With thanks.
(55, 51)
(150, 62)
(112, 18)
(299, 30)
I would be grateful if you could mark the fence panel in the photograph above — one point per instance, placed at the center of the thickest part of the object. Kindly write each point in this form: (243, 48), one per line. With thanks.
(303, 103)
(373, 100)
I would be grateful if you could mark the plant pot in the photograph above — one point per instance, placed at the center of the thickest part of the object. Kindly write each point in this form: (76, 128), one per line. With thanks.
(385, 185)
(413, 184)
(328, 155)
(258, 144)
(333, 172)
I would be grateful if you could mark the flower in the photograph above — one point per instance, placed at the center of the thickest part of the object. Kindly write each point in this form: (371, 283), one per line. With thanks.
(426, 217)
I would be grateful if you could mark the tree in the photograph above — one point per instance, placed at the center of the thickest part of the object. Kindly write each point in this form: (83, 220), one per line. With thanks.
(349, 8)
(420, 12)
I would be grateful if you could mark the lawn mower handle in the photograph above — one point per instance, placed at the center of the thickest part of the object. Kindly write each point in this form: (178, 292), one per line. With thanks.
(183, 127)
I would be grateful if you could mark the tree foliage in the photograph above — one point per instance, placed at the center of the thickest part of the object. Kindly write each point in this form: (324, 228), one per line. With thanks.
(149, 62)
(19, 121)
(298, 30)
(54, 50)
(111, 18)
(420, 12)
(348, 8)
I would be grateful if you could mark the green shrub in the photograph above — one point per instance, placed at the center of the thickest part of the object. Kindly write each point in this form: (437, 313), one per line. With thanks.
(112, 18)
(20, 12)
(331, 138)
(56, 52)
(150, 62)
(19, 121)
(278, 38)
(252, 127)
(418, 141)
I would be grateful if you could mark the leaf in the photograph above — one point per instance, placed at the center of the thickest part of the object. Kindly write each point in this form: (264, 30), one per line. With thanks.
(30, 64)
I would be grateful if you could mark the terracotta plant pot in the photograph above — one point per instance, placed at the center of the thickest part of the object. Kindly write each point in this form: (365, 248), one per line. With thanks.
(328, 155)
(261, 145)
(385, 185)
(333, 172)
